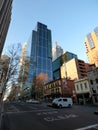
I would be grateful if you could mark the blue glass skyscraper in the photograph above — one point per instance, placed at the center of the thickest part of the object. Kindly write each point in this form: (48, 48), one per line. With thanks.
(39, 53)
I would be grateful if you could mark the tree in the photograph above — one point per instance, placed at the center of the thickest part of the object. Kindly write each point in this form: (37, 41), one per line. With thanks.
(12, 69)
(13, 93)
(13, 66)
(39, 83)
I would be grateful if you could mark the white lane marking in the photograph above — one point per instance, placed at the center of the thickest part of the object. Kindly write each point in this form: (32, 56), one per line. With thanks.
(61, 117)
(47, 113)
(88, 127)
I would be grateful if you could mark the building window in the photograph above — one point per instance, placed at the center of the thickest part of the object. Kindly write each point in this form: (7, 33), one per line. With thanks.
(96, 32)
(91, 81)
(59, 82)
(94, 91)
(77, 88)
(58, 90)
(81, 86)
(90, 40)
(96, 80)
(85, 84)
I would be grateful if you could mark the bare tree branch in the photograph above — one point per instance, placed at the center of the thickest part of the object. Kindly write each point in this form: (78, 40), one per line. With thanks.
(13, 66)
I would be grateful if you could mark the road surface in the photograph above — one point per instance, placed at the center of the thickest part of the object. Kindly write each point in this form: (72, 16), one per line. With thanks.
(28, 116)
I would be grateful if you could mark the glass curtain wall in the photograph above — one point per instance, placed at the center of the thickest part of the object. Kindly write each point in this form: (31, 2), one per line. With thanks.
(44, 51)
(39, 53)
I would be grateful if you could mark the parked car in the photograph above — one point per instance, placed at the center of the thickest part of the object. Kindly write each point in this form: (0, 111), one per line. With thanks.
(62, 102)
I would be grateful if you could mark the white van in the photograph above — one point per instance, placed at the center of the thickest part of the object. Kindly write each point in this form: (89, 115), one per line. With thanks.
(62, 102)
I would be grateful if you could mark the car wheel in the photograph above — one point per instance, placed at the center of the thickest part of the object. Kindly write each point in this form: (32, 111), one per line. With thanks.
(69, 105)
(60, 106)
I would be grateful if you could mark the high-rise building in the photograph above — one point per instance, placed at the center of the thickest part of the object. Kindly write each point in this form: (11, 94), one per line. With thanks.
(5, 18)
(56, 51)
(91, 43)
(74, 69)
(39, 53)
(59, 62)
(23, 67)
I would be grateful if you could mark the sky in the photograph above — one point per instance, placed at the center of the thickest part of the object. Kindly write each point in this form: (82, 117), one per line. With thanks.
(69, 21)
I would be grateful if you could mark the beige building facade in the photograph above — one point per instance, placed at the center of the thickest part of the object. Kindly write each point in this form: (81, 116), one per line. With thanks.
(91, 43)
(74, 69)
(23, 68)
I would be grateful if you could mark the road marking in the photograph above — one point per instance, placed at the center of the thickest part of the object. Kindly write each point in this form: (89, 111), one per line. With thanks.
(47, 113)
(88, 127)
(60, 117)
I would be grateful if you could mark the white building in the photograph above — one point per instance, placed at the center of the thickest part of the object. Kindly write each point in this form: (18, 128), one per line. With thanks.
(82, 90)
(56, 51)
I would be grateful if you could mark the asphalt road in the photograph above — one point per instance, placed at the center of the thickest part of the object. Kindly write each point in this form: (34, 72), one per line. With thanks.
(28, 116)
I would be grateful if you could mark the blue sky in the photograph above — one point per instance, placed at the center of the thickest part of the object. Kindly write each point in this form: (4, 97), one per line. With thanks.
(69, 20)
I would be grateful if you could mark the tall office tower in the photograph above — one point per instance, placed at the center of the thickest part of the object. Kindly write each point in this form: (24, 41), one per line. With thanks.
(39, 53)
(23, 54)
(91, 43)
(56, 51)
(5, 18)
(23, 67)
